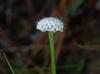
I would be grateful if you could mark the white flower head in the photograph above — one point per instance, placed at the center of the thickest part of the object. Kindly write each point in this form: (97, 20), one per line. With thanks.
(50, 24)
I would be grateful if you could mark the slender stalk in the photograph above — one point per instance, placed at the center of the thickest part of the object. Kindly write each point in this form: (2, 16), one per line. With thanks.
(52, 52)
(9, 64)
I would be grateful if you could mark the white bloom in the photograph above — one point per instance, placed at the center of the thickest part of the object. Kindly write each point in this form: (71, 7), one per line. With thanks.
(50, 24)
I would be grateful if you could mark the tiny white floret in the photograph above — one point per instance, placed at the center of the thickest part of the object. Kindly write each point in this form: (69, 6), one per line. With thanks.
(50, 24)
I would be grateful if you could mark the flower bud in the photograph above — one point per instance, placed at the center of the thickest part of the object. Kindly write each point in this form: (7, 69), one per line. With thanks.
(50, 24)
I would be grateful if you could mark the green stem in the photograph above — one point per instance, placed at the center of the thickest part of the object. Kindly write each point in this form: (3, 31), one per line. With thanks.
(9, 64)
(52, 52)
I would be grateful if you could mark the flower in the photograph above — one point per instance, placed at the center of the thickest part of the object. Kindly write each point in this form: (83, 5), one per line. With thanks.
(50, 24)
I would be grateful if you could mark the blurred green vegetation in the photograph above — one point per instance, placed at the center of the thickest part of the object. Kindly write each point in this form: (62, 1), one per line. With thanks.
(78, 47)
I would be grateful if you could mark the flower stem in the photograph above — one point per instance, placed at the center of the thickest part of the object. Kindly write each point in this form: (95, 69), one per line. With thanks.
(9, 64)
(52, 52)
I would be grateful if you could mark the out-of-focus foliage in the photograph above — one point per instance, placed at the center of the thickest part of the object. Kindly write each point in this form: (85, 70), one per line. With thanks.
(74, 6)
(77, 48)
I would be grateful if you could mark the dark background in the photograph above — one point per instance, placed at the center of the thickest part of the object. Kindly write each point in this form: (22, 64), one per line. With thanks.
(77, 48)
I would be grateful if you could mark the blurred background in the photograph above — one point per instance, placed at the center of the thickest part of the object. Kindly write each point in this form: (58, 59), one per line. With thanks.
(77, 48)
